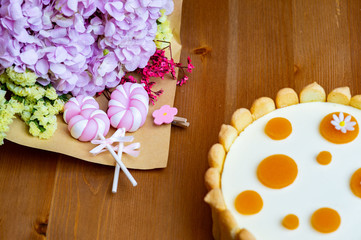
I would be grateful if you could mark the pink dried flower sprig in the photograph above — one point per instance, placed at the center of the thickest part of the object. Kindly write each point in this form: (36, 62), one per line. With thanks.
(128, 78)
(158, 66)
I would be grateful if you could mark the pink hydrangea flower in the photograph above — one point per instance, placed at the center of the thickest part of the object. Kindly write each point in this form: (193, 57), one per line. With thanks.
(80, 46)
(164, 115)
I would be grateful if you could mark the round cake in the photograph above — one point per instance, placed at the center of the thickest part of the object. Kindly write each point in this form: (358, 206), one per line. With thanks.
(289, 173)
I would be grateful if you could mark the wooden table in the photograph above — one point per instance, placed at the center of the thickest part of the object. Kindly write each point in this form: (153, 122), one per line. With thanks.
(242, 50)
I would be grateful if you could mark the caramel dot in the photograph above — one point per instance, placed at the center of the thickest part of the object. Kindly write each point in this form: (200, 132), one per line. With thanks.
(331, 134)
(325, 220)
(290, 222)
(355, 183)
(248, 202)
(324, 158)
(278, 128)
(277, 171)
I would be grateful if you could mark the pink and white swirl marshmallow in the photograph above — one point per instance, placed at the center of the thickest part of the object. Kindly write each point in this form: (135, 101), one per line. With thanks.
(88, 124)
(76, 104)
(128, 106)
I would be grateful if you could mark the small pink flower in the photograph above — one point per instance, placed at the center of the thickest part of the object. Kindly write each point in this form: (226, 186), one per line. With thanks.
(164, 115)
(190, 65)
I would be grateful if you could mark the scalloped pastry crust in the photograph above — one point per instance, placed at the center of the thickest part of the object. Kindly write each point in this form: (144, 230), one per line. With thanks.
(224, 224)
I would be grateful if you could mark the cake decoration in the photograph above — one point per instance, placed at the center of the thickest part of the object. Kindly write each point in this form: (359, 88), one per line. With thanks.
(248, 202)
(86, 126)
(356, 101)
(262, 106)
(128, 106)
(227, 135)
(340, 95)
(324, 158)
(241, 118)
(325, 220)
(339, 128)
(286, 97)
(290, 222)
(312, 93)
(277, 171)
(355, 183)
(343, 124)
(278, 128)
(236, 158)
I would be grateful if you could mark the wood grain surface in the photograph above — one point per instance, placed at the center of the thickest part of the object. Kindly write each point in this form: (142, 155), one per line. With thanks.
(242, 50)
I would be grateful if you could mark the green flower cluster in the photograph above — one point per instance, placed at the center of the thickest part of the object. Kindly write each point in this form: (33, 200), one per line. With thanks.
(36, 105)
(23, 85)
(8, 109)
(41, 116)
(164, 32)
(28, 78)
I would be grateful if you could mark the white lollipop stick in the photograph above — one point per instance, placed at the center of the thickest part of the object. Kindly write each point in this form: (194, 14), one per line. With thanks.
(117, 169)
(119, 161)
(115, 179)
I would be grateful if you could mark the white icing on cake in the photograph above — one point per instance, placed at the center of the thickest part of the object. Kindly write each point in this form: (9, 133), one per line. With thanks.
(316, 185)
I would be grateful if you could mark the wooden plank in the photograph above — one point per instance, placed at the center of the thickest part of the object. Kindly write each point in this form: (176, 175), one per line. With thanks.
(265, 50)
(242, 50)
(321, 44)
(26, 187)
(354, 20)
(78, 199)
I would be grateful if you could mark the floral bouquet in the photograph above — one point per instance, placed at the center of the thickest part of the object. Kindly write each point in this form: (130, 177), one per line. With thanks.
(50, 50)
(80, 47)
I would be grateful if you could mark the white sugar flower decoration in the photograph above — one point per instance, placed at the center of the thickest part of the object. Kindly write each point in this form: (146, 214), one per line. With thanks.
(343, 124)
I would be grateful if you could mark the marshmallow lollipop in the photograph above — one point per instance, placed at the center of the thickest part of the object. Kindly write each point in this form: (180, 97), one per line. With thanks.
(128, 106)
(76, 104)
(86, 126)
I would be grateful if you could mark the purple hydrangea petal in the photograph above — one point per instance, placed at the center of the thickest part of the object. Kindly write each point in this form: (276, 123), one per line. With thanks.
(42, 67)
(15, 11)
(57, 68)
(79, 23)
(60, 54)
(29, 57)
(73, 5)
(109, 29)
(115, 9)
(109, 63)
